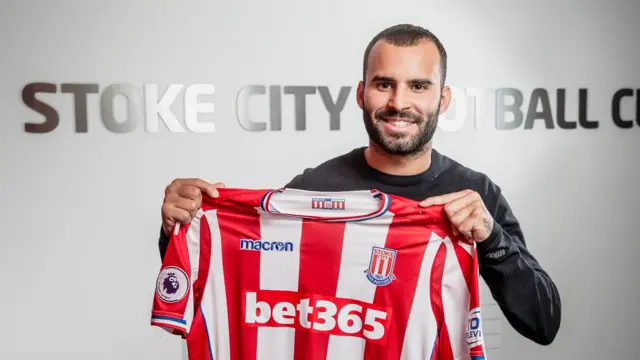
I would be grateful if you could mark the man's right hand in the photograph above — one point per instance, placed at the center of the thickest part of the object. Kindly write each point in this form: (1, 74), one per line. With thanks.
(182, 199)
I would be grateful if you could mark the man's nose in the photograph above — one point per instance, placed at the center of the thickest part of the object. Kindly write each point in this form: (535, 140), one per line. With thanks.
(398, 100)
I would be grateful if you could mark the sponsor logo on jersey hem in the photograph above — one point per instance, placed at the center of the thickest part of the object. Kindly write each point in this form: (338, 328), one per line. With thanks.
(264, 245)
(172, 284)
(474, 328)
(381, 263)
(328, 203)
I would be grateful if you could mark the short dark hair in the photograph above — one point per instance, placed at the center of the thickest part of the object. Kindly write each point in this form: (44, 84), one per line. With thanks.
(407, 35)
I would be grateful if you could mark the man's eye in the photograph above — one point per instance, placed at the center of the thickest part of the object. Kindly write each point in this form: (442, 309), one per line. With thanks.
(384, 85)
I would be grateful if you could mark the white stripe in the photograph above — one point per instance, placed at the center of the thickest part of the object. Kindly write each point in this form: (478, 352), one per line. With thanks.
(168, 322)
(193, 247)
(214, 297)
(359, 238)
(455, 301)
(279, 270)
(422, 328)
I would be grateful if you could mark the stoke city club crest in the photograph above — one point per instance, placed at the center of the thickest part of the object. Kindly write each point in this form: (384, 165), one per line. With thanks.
(381, 263)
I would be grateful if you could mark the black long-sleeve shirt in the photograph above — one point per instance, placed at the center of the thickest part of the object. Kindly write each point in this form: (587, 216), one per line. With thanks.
(523, 290)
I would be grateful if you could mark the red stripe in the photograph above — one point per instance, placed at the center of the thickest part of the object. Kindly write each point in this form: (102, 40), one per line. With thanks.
(198, 341)
(410, 244)
(437, 271)
(204, 262)
(474, 288)
(241, 274)
(466, 263)
(444, 351)
(320, 256)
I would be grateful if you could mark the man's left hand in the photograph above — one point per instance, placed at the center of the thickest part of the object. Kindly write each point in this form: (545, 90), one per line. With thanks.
(467, 213)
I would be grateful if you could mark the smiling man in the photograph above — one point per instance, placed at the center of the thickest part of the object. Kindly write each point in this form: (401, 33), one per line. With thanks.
(399, 100)
(402, 93)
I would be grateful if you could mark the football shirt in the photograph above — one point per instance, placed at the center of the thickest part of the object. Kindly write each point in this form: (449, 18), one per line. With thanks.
(293, 274)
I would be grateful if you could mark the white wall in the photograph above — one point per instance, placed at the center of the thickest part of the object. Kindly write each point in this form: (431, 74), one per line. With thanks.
(81, 211)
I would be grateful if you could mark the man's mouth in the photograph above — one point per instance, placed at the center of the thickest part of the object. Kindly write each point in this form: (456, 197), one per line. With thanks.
(398, 122)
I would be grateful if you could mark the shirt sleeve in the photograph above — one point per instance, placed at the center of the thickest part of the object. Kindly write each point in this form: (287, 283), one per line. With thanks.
(296, 182)
(174, 300)
(163, 242)
(524, 291)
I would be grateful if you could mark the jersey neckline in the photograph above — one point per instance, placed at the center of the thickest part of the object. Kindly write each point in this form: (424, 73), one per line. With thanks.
(327, 214)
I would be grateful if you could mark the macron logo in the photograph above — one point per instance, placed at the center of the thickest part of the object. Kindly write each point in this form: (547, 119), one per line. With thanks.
(261, 245)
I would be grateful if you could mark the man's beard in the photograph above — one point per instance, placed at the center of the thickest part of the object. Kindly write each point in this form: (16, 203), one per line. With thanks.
(401, 144)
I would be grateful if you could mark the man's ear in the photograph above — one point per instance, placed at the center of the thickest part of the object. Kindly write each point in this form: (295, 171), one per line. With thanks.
(360, 95)
(445, 99)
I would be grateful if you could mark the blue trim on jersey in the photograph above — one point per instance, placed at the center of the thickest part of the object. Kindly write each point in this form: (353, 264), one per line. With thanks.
(168, 318)
(481, 357)
(262, 200)
(206, 329)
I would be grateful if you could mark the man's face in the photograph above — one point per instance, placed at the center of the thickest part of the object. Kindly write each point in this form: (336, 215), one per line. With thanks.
(401, 97)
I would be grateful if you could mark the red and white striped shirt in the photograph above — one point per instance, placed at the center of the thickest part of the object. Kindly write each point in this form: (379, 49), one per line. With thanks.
(293, 274)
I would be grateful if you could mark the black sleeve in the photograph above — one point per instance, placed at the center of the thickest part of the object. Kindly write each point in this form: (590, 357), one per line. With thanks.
(163, 242)
(524, 291)
(296, 182)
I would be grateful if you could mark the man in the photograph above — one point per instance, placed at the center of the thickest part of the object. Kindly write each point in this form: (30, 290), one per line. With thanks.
(402, 93)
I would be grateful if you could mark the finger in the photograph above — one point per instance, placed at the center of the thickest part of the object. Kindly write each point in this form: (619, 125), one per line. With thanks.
(443, 199)
(468, 202)
(466, 227)
(167, 226)
(189, 205)
(219, 185)
(204, 186)
(461, 215)
(173, 214)
(472, 227)
(215, 193)
(172, 188)
(188, 192)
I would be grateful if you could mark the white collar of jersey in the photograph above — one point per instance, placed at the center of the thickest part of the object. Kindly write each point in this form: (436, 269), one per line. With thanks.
(326, 206)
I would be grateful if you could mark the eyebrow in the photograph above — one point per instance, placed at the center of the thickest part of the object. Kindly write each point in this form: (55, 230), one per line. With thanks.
(424, 81)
